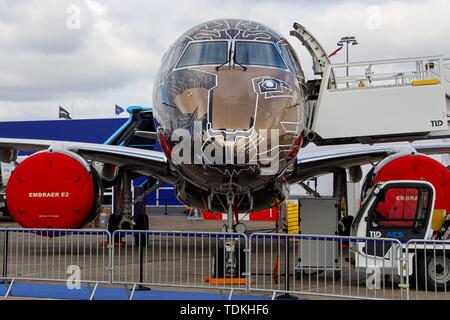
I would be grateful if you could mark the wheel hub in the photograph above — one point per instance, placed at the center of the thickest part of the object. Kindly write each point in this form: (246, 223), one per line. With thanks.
(439, 269)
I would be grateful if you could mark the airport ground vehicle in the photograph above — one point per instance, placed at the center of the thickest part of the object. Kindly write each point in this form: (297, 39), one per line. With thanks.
(412, 210)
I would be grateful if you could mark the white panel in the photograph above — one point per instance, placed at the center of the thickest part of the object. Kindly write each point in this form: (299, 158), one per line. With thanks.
(380, 111)
(446, 79)
(318, 216)
(353, 198)
(242, 217)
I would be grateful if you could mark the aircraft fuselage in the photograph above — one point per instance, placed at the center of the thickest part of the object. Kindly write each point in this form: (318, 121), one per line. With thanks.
(229, 110)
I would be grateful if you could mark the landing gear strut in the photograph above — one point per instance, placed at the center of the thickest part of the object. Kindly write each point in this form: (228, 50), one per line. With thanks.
(229, 258)
(230, 212)
(123, 217)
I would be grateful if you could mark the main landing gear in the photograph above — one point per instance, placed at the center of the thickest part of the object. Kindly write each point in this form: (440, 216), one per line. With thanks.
(129, 207)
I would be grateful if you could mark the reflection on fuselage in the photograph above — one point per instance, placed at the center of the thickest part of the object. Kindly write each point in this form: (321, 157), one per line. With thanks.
(234, 86)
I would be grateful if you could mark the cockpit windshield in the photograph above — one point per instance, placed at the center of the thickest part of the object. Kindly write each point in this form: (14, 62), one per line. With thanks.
(204, 53)
(258, 53)
(246, 53)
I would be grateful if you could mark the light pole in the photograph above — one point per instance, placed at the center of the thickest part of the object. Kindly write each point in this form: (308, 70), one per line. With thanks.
(348, 40)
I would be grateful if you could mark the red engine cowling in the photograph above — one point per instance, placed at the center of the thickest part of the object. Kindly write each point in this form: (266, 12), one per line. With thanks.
(414, 167)
(54, 190)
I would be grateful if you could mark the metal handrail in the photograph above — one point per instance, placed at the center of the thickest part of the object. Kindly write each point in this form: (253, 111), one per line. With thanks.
(399, 77)
(387, 61)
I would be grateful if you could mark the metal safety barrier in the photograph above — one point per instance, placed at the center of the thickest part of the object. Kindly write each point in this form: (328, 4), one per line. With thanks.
(428, 269)
(276, 264)
(180, 259)
(55, 255)
(326, 266)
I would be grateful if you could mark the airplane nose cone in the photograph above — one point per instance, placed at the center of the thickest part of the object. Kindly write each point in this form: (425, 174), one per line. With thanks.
(259, 99)
(233, 114)
(233, 104)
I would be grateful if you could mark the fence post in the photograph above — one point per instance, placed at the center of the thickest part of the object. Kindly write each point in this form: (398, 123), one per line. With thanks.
(248, 272)
(111, 256)
(140, 287)
(404, 272)
(286, 295)
(5, 254)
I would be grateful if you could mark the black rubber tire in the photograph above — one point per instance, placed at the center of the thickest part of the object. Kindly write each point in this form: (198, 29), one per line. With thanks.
(337, 275)
(5, 212)
(312, 272)
(240, 264)
(414, 283)
(219, 262)
(425, 269)
(5, 215)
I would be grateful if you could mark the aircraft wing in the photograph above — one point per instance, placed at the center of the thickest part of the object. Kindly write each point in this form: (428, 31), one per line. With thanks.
(322, 161)
(146, 162)
(432, 148)
(154, 163)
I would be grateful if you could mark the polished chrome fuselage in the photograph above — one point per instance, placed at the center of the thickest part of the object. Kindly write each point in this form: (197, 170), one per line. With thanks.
(243, 124)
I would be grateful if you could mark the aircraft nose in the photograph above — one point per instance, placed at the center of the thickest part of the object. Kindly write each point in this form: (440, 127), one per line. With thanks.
(230, 114)
(233, 105)
(254, 98)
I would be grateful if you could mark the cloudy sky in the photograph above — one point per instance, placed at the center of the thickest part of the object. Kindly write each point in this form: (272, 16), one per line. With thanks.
(88, 55)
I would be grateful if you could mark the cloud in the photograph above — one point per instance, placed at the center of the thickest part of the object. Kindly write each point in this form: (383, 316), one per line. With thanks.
(114, 55)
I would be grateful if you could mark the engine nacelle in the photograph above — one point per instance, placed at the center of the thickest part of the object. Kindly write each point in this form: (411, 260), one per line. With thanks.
(57, 190)
(413, 167)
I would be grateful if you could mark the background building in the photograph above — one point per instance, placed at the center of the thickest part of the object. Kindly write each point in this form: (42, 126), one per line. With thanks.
(91, 131)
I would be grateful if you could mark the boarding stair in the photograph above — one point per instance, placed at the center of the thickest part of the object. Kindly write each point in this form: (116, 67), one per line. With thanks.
(375, 101)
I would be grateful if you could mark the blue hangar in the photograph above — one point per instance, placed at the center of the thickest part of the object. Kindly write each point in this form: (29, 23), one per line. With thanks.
(91, 131)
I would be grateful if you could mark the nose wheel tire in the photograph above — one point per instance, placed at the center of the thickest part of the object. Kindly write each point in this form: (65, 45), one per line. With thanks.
(220, 267)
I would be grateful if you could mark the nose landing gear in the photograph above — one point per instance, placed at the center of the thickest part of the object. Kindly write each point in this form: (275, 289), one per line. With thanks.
(229, 264)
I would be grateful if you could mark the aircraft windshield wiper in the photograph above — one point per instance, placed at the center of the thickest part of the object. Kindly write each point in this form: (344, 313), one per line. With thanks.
(168, 105)
(228, 61)
(239, 64)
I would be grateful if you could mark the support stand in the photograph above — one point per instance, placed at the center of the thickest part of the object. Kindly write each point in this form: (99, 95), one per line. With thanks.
(5, 254)
(140, 287)
(286, 296)
(230, 256)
